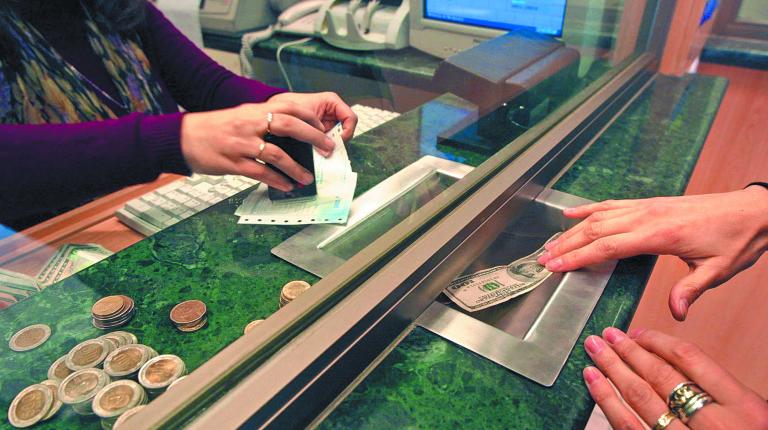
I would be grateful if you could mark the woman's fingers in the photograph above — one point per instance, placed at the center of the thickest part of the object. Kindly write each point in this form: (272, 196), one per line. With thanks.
(286, 125)
(253, 169)
(296, 110)
(648, 404)
(587, 210)
(699, 367)
(590, 230)
(275, 156)
(688, 289)
(618, 246)
(619, 416)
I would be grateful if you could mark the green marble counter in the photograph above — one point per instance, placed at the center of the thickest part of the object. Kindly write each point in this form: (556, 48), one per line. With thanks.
(428, 383)
(651, 150)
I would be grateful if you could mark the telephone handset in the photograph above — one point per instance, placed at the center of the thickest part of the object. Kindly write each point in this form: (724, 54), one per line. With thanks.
(300, 18)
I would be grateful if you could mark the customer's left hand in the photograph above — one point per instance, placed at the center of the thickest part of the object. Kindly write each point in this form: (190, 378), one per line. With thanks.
(328, 106)
(647, 366)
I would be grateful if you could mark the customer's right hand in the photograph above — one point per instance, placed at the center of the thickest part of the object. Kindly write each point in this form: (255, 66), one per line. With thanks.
(717, 235)
(227, 141)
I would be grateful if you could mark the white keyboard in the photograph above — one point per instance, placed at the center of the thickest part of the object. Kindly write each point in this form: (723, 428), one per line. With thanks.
(181, 199)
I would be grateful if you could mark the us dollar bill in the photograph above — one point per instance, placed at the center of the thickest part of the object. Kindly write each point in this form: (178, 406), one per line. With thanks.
(499, 284)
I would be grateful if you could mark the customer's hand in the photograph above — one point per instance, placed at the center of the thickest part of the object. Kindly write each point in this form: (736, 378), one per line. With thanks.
(328, 107)
(717, 235)
(228, 141)
(647, 366)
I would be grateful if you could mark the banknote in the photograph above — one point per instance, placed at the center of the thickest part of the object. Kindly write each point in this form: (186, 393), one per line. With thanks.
(16, 286)
(69, 259)
(499, 284)
(336, 184)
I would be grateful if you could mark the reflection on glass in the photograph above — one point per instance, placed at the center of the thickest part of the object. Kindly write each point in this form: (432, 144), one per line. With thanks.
(753, 12)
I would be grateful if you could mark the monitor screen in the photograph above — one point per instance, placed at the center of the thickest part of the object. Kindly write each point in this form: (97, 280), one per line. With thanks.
(541, 16)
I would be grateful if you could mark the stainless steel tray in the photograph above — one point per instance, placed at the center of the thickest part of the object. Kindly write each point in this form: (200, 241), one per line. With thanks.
(320, 249)
(532, 334)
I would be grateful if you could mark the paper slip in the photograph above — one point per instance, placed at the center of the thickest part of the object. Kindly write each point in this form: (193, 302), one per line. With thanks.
(336, 184)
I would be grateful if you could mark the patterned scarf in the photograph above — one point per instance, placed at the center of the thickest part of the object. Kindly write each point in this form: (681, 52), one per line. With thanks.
(48, 90)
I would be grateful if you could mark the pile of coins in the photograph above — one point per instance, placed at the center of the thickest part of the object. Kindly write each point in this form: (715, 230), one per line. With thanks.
(251, 325)
(292, 290)
(98, 376)
(189, 316)
(112, 311)
(29, 337)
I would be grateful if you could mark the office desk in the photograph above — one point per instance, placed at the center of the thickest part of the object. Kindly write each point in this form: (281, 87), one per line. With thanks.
(425, 382)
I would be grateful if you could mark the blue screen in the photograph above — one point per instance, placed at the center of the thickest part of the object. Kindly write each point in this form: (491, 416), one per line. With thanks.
(541, 16)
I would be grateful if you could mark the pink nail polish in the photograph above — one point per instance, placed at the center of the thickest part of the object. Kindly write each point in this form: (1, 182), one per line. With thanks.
(549, 245)
(613, 335)
(590, 374)
(636, 332)
(594, 345)
(543, 258)
(568, 211)
(555, 265)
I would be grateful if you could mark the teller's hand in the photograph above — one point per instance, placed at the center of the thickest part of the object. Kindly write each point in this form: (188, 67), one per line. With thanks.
(717, 235)
(646, 366)
(327, 106)
(229, 141)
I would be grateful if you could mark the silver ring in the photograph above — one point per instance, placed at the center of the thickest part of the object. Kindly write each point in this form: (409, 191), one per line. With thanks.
(262, 145)
(269, 122)
(664, 420)
(686, 399)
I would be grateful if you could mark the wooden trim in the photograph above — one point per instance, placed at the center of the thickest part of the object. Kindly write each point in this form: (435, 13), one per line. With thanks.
(727, 23)
(629, 28)
(685, 38)
(75, 220)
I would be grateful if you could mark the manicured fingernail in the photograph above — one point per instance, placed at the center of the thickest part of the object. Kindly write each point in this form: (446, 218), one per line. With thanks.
(613, 335)
(324, 153)
(555, 265)
(683, 307)
(307, 178)
(543, 258)
(590, 374)
(331, 144)
(549, 245)
(569, 211)
(636, 332)
(594, 344)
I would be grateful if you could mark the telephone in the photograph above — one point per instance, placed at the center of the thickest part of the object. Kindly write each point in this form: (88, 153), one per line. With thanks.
(364, 26)
(300, 18)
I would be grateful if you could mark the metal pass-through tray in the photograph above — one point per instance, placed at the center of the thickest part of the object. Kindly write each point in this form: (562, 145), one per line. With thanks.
(532, 334)
(320, 249)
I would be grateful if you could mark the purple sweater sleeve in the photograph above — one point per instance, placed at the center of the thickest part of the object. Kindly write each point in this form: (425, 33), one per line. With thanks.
(197, 82)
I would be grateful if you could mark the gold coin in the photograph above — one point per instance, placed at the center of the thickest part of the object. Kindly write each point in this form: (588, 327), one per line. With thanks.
(30, 406)
(82, 386)
(188, 312)
(118, 397)
(87, 354)
(109, 305)
(56, 406)
(191, 328)
(59, 370)
(293, 289)
(161, 371)
(126, 360)
(251, 325)
(29, 337)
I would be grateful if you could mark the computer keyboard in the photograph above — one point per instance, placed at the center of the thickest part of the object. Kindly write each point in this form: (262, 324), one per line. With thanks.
(181, 199)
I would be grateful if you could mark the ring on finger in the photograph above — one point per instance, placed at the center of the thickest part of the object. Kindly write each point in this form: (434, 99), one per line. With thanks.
(664, 420)
(686, 399)
(269, 122)
(262, 145)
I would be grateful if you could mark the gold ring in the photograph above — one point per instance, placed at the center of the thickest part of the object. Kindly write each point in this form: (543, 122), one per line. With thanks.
(261, 150)
(664, 420)
(269, 122)
(686, 399)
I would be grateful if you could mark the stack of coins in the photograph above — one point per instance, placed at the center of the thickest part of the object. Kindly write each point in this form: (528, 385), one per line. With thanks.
(79, 389)
(54, 387)
(29, 337)
(122, 419)
(59, 370)
(292, 290)
(125, 362)
(90, 353)
(251, 325)
(189, 316)
(160, 372)
(117, 398)
(32, 405)
(112, 311)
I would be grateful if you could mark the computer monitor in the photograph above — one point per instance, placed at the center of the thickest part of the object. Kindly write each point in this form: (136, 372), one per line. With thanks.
(446, 27)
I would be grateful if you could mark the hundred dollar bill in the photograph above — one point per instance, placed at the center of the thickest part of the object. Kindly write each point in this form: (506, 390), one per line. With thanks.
(68, 260)
(498, 284)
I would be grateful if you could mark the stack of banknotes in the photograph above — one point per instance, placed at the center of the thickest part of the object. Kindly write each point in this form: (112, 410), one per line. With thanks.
(69, 259)
(491, 287)
(15, 286)
(335, 190)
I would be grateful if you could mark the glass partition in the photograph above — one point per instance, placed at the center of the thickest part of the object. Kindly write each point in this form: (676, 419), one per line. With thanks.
(432, 131)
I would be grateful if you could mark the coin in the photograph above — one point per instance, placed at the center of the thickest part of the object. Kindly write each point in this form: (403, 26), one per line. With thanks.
(59, 370)
(30, 406)
(251, 325)
(190, 328)
(129, 338)
(29, 337)
(56, 406)
(174, 383)
(117, 316)
(126, 360)
(120, 423)
(188, 312)
(81, 387)
(107, 306)
(115, 340)
(90, 353)
(118, 397)
(161, 371)
(292, 290)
